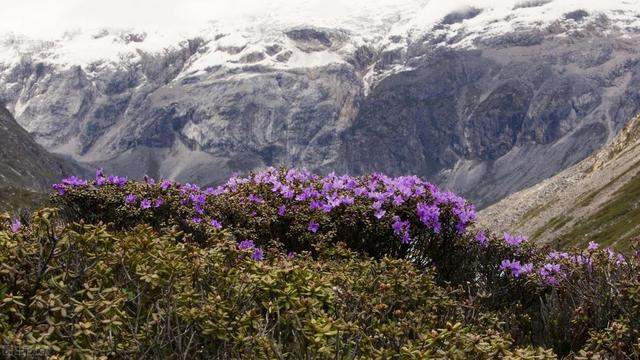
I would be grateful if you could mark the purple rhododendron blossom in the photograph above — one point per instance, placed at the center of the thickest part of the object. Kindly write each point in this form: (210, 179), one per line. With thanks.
(379, 214)
(466, 215)
(166, 184)
(282, 210)
(149, 180)
(117, 180)
(401, 228)
(145, 204)
(61, 189)
(258, 254)
(512, 240)
(255, 198)
(216, 224)
(158, 202)
(16, 225)
(313, 226)
(555, 255)
(515, 268)
(74, 181)
(481, 238)
(549, 273)
(130, 199)
(246, 245)
(196, 220)
(430, 216)
(99, 177)
(316, 204)
(592, 246)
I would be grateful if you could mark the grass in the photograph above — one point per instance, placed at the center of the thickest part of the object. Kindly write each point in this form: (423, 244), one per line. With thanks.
(532, 213)
(615, 223)
(588, 199)
(13, 199)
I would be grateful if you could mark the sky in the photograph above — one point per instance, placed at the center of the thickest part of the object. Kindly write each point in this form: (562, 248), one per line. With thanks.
(45, 18)
(51, 18)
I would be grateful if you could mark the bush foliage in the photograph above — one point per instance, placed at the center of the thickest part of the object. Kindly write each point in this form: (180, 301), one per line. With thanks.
(285, 264)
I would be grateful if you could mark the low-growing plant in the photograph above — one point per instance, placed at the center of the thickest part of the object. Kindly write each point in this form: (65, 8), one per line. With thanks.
(81, 291)
(287, 264)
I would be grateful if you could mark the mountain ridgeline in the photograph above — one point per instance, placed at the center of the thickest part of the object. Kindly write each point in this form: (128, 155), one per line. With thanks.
(27, 170)
(24, 163)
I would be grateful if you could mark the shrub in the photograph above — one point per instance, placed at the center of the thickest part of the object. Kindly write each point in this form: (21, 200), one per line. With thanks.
(80, 290)
(288, 264)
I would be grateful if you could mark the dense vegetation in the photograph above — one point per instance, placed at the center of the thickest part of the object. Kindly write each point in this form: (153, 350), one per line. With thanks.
(286, 264)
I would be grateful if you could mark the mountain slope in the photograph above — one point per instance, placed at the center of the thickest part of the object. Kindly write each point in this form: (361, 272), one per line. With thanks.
(595, 200)
(484, 98)
(24, 165)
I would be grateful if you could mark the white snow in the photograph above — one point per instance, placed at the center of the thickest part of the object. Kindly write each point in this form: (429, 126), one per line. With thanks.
(76, 32)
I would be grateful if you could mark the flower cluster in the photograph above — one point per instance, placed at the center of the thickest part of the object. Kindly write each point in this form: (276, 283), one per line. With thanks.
(396, 202)
(295, 207)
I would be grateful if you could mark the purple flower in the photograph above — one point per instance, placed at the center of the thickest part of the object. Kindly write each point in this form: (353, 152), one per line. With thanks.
(149, 180)
(282, 210)
(401, 228)
(313, 226)
(117, 180)
(100, 179)
(430, 216)
(515, 267)
(15, 225)
(315, 205)
(465, 215)
(555, 255)
(512, 240)
(145, 204)
(60, 188)
(291, 255)
(198, 199)
(255, 199)
(398, 200)
(258, 254)
(158, 202)
(246, 245)
(549, 273)
(74, 181)
(166, 184)
(130, 199)
(216, 224)
(379, 214)
(592, 246)
(482, 240)
(196, 220)
(287, 192)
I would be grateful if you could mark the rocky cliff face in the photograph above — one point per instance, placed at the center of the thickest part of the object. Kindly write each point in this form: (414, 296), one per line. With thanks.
(25, 165)
(485, 101)
(594, 200)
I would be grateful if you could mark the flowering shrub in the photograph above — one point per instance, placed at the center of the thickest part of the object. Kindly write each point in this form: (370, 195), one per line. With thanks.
(381, 266)
(376, 215)
(81, 291)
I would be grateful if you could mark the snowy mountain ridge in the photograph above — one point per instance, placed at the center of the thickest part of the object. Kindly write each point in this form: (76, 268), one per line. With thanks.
(256, 37)
(464, 93)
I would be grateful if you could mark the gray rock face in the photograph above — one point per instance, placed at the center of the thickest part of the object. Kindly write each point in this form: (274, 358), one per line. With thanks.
(490, 121)
(485, 121)
(23, 163)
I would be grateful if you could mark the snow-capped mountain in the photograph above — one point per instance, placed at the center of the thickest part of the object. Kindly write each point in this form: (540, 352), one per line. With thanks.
(486, 97)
